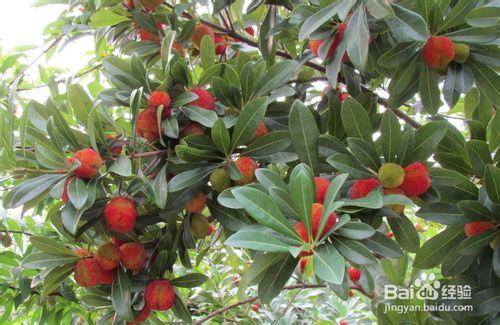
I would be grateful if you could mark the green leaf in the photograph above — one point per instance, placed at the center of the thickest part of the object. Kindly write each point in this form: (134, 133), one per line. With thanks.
(48, 245)
(427, 139)
(122, 166)
(30, 190)
(429, 89)
(160, 186)
(379, 9)
(475, 244)
(487, 81)
(355, 120)
(207, 52)
(80, 102)
(107, 17)
(390, 135)
(121, 293)
(166, 48)
(249, 119)
(356, 230)
(347, 164)
(486, 301)
(475, 211)
(275, 278)
(479, 155)
(180, 310)
(380, 244)
(408, 25)
(254, 238)
(278, 75)
(354, 251)
(267, 145)
(269, 178)
(405, 233)
(456, 15)
(312, 23)
(47, 260)
(203, 116)
(220, 136)
(55, 277)
(396, 56)
(434, 250)
(304, 134)
(77, 192)
(190, 280)
(483, 17)
(364, 152)
(301, 190)
(492, 182)
(263, 209)
(357, 37)
(444, 213)
(404, 77)
(189, 178)
(328, 264)
(332, 192)
(455, 263)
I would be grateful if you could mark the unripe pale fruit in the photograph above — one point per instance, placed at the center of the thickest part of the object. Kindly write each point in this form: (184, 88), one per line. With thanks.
(354, 274)
(321, 185)
(200, 31)
(391, 175)
(120, 214)
(477, 227)
(419, 227)
(151, 4)
(305, 74)
(205, 99)
(200, 227)
(108, 256)
(247, 167)
(88, 272)
(416, 181)
(261, 129)
(361, 187)
(197, 204)
(316, 214)
(159, 295)
(133, 256)
(147, 125)
(220, 179)
(438, 51)
(90, 162)
(494, 242)
(398, 208)
(462, 52)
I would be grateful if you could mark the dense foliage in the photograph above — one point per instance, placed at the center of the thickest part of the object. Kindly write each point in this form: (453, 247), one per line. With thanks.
(219, 161)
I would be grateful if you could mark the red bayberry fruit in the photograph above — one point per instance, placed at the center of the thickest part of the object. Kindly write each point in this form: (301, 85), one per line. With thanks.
(151, 4)
(82, 252)
(477, 227)
(197, 204)
(192, 128)
(205, 99)
(256, 306)
(321, 188)
(108, 256)
(354, 274)
(316, 214)
(247, 167)
(261, 129)
(141, 317)
(250, 30)
(438, 52)
(147, 125)
(117, 242)
(199, 32)
(159, 98)
(120, 213)
(133, 256)
(362, 187)
(159, 295)
(87, 272)
(390, 234)
(220, 44)
(343, 96)
(107, 277)
(90, 162)
(416, 181)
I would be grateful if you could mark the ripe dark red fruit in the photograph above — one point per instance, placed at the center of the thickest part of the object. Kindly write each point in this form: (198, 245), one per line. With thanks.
(362, 187)
(160, 98)
(108, 256)
(199, 32)
(247, 167)
(343, 96)
(133, 256)
(120, 214)
(316, 214)
(416, 181)
(159, 295)
(250, 30)
(151, 4)
(438, 52)
(141, 317)
(220, 44)
(354, 274)
(88, 272)
(197, 204)
(107, 277)
(261, 129)
(147, 125)
(90, 162)
(205, 99)
(477, 227)
(256, 306)
(321, 188)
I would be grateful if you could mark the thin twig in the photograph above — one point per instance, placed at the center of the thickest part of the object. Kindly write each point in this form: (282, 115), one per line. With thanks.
(17, 232)
(23, 71)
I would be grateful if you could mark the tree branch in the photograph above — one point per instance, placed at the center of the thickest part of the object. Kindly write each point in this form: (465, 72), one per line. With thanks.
(17, 232)
(252, 299)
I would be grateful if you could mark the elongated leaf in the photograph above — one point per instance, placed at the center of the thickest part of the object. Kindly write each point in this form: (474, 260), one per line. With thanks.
(354, 251)
(365, 152)
(302, 193)
(203, 116)
(429, 90)
(220, 136)
(380, 244)
(444, 213)
(277, 76)
(492, 182)
(190, 280)
(249, 119)
(408, 25)
(304, 134)
(355, 120)
(52, 246)
(357, 36)
(390, 135)
(328, 264)
(160, 186)
(275, 278)
(405, 233)
(47, 260)
(30, 190)
(256, 239)
(121, 292)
